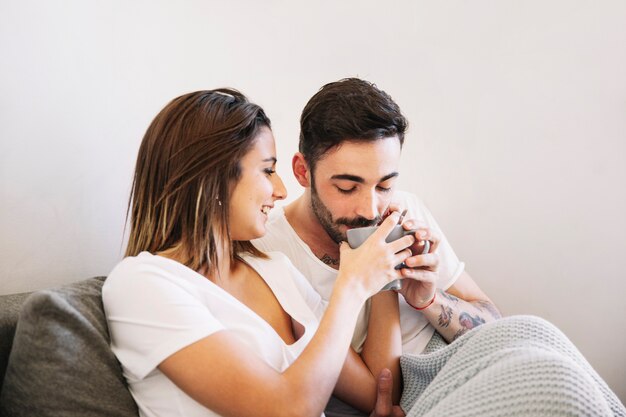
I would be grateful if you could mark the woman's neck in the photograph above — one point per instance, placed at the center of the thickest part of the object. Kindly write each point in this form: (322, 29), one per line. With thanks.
(221, 271)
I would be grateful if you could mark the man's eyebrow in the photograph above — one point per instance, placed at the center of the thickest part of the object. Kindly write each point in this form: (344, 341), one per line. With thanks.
(360, 180)
(348, 177)
(389, 176)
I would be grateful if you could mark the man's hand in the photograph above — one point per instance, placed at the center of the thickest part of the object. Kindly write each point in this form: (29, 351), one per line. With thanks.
(384, 407)
(420, 288)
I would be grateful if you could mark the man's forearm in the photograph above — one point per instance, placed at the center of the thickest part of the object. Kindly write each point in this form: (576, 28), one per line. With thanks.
(452, 316)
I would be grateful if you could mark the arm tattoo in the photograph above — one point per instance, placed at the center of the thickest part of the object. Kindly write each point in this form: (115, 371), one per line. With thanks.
(469, 322)
(486, 305)
(329, 261)
(458, 334)
(445, 317)
(449, 296)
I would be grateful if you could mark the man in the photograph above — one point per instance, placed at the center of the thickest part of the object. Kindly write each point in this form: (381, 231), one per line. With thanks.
(349, 153)
(350, 142)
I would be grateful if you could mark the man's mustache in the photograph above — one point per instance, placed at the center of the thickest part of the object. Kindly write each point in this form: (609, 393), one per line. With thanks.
(358, 221)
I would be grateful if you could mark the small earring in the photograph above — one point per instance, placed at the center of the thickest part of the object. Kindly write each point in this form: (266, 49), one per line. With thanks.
(219, 202)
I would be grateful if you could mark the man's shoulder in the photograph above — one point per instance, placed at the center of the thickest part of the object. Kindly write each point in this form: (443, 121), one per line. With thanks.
(272, 258)
(416, 207)
(274, 261)
(278, 233)
(277, 219)
(407, 200)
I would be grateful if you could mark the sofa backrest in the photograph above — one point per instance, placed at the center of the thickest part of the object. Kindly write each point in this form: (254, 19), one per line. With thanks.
(61, 363)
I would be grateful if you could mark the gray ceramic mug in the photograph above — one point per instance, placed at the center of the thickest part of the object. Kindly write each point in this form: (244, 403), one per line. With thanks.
(357, 236)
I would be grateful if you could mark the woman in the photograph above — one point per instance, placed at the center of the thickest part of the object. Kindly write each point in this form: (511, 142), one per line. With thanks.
(203, 323)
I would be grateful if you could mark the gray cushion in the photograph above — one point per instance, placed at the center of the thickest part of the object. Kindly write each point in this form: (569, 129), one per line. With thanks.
(61, 363)
(10, 306)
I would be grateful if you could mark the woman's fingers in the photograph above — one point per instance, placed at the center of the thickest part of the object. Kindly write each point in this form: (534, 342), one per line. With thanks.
(383, 259)
(402, 243)
(387, 225)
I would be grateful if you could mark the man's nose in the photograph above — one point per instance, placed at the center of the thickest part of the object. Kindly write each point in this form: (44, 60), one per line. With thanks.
(368, 205)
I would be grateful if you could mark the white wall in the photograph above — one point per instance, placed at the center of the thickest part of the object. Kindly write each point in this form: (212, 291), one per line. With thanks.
(517, 140)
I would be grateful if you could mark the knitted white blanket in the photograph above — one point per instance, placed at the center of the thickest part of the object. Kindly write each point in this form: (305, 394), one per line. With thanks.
(516, 366)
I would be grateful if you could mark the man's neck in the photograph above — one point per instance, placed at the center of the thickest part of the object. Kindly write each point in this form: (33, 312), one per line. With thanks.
(307, 226)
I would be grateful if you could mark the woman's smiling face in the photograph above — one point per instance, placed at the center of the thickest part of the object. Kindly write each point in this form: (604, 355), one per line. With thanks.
(259, 186)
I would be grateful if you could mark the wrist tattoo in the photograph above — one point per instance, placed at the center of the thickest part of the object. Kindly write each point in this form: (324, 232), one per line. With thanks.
(329, 261)
(445, 317)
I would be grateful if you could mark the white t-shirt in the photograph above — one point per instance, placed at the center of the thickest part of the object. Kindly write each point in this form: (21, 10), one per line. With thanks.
(156, 306)
(416, 330)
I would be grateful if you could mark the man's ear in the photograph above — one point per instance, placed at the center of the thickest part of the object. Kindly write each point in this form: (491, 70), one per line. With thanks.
(301, 170)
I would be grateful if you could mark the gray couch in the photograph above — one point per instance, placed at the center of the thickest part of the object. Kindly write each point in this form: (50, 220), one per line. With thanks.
(55, 358)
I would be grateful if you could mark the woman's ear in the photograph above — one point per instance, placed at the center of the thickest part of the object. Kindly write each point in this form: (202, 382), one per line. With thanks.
(301, 170)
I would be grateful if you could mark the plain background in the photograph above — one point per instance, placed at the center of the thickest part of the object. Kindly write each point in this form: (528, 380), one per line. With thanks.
(517, 140)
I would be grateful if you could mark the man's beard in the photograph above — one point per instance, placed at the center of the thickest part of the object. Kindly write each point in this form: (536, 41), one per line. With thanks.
(331, 227)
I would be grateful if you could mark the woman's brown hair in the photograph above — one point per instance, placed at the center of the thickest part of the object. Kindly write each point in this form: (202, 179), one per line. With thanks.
(187, 165)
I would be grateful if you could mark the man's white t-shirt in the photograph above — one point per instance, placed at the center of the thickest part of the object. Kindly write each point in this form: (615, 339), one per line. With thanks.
(416, 330)
(156, 306)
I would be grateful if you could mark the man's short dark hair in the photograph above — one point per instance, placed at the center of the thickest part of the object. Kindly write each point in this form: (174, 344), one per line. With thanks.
(347, 110)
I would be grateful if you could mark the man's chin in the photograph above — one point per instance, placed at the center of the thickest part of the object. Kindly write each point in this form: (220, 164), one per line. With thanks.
(338, 234)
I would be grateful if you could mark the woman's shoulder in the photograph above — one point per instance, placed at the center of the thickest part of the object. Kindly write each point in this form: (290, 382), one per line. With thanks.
(134, 272)
(131, 265)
